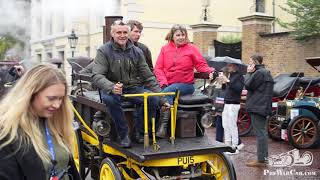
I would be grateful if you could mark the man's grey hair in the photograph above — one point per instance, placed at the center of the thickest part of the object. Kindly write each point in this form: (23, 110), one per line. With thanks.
(119, 22)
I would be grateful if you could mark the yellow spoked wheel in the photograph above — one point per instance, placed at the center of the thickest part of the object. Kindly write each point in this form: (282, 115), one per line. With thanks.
(78, 154)
(109, 170)
(221, 167)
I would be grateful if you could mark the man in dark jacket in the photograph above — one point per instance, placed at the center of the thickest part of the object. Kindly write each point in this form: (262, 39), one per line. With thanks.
(135, 34)
(259, 84)
(120, 68)
(234, 86)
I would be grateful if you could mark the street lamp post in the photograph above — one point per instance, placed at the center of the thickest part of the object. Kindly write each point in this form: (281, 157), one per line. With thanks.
(205, 5)
(73, 41)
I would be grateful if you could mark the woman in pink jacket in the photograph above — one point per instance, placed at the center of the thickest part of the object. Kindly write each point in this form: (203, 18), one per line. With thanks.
(175, 66)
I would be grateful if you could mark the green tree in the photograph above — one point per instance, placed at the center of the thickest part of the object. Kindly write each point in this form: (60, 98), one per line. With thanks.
(231, 38)
(7, 41)
(307, 22)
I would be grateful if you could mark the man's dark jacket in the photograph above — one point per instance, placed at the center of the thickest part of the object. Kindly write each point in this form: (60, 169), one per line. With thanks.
(146, 53)
(234, 88)
(25, 164)
(128, 66)
(260, 91)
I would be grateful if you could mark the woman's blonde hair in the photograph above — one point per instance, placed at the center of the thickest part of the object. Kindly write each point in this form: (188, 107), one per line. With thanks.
(175, 28)
(20, 124)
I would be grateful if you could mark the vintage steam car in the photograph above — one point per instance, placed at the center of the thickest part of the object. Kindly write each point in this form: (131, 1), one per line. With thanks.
(187, 154)
(298, 120)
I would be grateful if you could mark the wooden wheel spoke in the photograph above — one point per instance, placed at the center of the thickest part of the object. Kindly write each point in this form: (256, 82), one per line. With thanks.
(310, 129)
(296, 134)
(307, 125)
(297, 140)
(273, 129)
(311, 133)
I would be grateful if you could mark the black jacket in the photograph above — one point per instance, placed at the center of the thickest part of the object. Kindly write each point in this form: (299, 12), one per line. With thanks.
(260, 91)
(25, 165)
(128, 66)
(146, 53)
(234, 88)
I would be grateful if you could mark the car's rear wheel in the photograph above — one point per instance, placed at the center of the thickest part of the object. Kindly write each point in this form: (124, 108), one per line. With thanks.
(78, 153)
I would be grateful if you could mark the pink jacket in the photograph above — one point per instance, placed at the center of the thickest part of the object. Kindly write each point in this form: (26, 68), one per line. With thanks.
(176, 64)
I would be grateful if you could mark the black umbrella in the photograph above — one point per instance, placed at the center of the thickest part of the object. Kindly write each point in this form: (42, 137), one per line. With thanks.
(220, 62)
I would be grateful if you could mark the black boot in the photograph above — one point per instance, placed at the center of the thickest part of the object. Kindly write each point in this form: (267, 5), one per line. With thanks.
(164, 118)
(139, 137)
(125, 142)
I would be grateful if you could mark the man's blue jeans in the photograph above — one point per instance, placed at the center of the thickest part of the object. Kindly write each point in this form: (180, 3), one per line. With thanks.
(113, 103)
(183, 87)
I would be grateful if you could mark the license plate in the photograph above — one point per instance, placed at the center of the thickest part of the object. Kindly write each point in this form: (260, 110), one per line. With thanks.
(185, 160)
(294, 113)
(274, 104)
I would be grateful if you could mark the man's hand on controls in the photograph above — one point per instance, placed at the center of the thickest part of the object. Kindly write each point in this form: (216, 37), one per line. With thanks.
(117, 88)
(166, 106)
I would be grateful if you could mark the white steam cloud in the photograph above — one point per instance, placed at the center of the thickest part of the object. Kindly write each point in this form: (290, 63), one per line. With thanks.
(16, 15)
(15, 20)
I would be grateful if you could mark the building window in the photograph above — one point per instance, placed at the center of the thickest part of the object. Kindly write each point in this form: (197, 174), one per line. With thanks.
(61, 56)
(39, 57)
(49, 56)
(88, 51)
(260, 6)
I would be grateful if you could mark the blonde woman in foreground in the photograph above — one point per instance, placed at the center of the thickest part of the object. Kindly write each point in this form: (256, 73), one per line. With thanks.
(36, 128)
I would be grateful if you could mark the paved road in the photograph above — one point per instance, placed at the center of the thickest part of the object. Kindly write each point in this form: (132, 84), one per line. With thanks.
(272, 173)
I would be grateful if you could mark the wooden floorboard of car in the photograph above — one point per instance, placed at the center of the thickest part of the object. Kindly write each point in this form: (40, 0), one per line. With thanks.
(182, 147)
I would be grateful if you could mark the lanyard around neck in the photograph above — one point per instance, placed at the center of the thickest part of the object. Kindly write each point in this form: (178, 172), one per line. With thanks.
(50, 143)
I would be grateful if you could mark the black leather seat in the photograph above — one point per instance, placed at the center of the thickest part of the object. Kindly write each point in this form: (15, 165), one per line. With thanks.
(194, 99)
(94, 96)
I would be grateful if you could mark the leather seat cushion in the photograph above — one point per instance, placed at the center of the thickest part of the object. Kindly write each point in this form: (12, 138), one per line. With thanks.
(194, 99)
